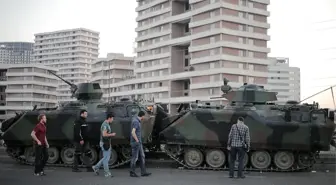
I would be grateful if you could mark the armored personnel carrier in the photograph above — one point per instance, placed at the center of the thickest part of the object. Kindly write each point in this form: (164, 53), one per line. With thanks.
(60, 121)
(282, 139)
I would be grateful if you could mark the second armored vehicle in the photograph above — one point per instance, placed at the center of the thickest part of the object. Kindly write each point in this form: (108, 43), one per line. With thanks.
(281, 140)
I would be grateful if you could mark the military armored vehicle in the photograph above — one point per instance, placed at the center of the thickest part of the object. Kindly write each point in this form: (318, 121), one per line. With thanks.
(281, 139)
(60, 121)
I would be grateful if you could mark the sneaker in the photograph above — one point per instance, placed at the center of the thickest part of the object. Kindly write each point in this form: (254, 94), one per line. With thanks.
(37, 174)
(108, 175)
(95, 170)
(133, 174)
(146, 174)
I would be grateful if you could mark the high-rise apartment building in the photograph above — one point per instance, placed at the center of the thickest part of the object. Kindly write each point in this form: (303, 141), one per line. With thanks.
(186, 47)
(70, 51)
(16, 52)
(24, 85)
(284, 79)
(113, 69)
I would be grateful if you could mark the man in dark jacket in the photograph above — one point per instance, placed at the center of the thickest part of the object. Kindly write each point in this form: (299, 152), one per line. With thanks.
(81, 142)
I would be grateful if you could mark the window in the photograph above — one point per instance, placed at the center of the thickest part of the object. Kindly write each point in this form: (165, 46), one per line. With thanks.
(212, 14)
(212, 65)
(212, 52)
(251, 67)
(186, 28)
(243, 2)
(187, 6)
(213, 26)
(186, 85)
(240, 79)
(186, 62)
(251, 80)
(212, 39)
(212, 91)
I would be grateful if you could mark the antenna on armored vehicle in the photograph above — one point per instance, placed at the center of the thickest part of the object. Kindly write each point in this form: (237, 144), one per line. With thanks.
(73, 87)
(332, 94)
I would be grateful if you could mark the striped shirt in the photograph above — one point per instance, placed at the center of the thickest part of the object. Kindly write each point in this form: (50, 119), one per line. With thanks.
(237, 139)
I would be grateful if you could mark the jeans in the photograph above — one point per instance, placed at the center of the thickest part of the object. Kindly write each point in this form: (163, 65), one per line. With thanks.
(82, 150)
(104, 161)
(233, 153)
(136, 150)
(41, 157)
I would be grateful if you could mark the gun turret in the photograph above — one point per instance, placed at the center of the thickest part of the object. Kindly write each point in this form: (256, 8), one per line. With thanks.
(83, 91)
(73, 87)
(248, 93)
(251, 93)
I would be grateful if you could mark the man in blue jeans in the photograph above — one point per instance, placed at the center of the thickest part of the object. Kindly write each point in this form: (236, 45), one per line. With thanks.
(136, 145)
(238, 143)
(105, 145)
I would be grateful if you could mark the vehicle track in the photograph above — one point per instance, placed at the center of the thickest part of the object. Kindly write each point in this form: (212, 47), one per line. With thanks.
(204, 166)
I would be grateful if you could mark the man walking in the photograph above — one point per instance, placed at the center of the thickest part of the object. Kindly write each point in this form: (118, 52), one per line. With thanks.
(136, 144)
(105, 145)
(41, 144)
(81, 142)
(238, 143)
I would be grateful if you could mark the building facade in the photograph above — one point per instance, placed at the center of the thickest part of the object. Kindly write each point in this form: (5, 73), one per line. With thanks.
(284, 79)
(24, 85)
(185, 48)
(16, 52)
(113, 69)
(70, 51)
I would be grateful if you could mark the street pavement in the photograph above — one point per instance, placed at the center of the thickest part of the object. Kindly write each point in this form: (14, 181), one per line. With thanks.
(12, 173)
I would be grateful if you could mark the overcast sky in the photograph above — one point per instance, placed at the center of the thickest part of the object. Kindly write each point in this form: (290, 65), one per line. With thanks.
(302, 30)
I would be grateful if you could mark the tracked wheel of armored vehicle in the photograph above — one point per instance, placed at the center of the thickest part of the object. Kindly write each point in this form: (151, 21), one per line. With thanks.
(281, 139)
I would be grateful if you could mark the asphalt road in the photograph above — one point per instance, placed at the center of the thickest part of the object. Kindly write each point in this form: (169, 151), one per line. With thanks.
(12, 173)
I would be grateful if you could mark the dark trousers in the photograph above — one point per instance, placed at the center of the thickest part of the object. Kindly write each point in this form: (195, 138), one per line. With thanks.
(41, 157)
(137, 150)
(233, 154)
(84, 151)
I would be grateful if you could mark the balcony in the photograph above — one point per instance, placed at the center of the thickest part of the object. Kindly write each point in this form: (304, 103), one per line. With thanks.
(180, 7)
(3, 78)
(176, 18)
(180, 88)
(179, 58)
(180, 28)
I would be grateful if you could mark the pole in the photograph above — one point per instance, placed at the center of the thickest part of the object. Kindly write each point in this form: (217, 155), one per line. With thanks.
(109, 81)
(332, 94)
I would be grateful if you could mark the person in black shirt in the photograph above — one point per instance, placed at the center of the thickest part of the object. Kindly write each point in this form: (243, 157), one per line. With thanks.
(81, 142)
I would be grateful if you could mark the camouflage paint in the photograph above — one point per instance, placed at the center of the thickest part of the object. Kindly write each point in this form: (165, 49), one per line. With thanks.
(210, 127)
